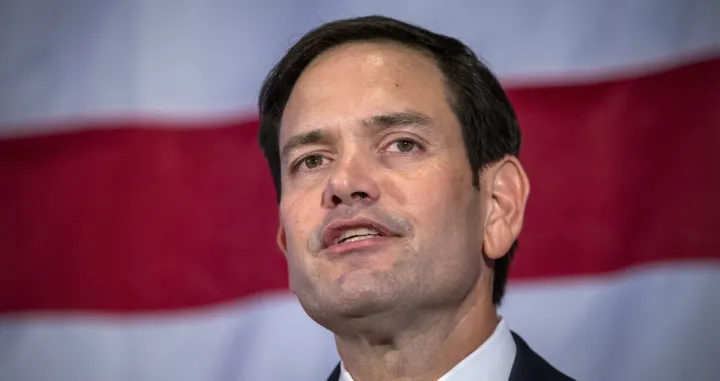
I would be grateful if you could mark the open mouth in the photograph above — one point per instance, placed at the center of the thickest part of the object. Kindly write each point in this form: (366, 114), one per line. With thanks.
(356, 234)
(342, 234)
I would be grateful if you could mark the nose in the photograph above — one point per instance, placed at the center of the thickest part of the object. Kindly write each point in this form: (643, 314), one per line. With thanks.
(352, 180)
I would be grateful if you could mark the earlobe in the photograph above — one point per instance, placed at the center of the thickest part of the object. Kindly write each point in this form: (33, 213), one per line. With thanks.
(509, 189)
(281, 239)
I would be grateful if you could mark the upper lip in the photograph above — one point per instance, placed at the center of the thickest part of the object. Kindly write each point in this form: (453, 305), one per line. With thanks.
(337, 227)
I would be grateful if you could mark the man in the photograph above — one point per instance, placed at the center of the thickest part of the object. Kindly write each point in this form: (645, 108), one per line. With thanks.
(394, 153)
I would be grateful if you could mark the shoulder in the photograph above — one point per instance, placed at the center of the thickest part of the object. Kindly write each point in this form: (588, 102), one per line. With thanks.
(529, 365)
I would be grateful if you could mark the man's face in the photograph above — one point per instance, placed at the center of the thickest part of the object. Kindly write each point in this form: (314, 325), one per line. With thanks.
(378, 210)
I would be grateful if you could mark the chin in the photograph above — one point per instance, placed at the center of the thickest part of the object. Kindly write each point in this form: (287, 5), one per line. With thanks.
(355, 295)
(342, 305)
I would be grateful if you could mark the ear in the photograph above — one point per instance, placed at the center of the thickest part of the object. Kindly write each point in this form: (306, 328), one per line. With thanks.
(282, 239)
(509, 188)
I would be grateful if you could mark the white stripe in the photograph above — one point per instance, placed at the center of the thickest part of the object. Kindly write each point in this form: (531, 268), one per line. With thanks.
(656, 323)
(208, 57)
(270, 339)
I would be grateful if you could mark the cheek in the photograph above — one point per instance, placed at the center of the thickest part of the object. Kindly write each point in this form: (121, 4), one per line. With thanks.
(442, 204)
(437, 186)
(396, 191)
(296, 222)
(298, 262)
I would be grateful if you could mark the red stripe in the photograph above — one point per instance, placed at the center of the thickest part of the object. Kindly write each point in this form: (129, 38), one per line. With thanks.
(622, 173)
(145, 217)
(136, 219)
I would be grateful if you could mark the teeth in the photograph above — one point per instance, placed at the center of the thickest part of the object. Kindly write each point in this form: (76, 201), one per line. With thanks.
(357, 238)
(357, 234)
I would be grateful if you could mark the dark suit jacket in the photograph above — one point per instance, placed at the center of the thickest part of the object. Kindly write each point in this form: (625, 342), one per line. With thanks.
(528, 366)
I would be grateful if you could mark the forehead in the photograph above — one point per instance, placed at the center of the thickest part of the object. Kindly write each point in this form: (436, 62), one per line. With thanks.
(355, 81)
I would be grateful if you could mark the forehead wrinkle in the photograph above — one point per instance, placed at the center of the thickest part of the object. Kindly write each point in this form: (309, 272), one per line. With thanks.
(324, 72)
(374, 123)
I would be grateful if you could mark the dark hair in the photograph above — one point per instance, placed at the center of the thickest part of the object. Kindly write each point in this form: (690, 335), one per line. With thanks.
(489, 125)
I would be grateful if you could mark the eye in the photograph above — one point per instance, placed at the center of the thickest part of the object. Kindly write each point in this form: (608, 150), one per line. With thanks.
(403, 145)
(309, 162)
(313, 161)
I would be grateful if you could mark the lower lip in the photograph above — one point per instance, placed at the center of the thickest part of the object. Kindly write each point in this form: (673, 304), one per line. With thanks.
(364, 244)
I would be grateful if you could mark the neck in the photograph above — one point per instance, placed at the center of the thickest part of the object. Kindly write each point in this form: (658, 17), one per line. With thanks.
(425, 349)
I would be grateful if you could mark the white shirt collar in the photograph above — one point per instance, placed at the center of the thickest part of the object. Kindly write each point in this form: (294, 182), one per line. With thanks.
(492, 361)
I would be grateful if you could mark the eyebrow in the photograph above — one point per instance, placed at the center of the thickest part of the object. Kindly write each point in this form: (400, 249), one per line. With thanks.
(301, 140)
(397, 119)
(378, 122)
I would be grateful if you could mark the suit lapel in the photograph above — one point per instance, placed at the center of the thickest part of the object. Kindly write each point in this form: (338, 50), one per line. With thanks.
(529, 366)
(335, 375)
